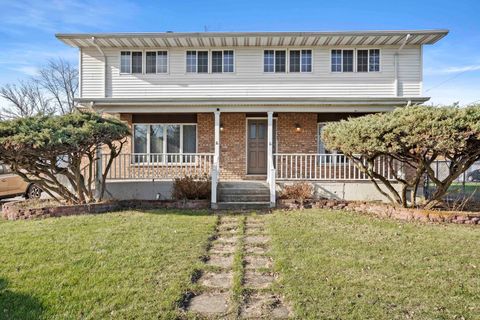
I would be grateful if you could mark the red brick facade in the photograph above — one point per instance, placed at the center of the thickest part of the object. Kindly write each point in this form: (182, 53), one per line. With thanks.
(289, 140)
(206, 132)
(233, 146)
(233, 162)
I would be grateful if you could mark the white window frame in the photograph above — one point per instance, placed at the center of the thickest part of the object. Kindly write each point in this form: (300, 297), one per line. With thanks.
(223, 61)
(209, 69)
(120, 62)
(301, 61)
(368, 60)
(355, 60)
(156, 61)
(131, 61)
(164, 160)
(287, 60)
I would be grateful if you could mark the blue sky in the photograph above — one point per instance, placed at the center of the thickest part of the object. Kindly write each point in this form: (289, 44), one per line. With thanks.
(451, 67)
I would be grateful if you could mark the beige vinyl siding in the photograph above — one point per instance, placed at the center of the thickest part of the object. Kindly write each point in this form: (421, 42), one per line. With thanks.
(92, 74)
(410, 72)
(249, 80)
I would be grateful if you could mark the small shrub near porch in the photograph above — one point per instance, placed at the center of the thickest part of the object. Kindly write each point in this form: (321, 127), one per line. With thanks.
(299, 192)
(192, 188)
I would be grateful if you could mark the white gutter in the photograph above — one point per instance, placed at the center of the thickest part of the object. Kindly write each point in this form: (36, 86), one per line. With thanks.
(104, 66)
(395, 57)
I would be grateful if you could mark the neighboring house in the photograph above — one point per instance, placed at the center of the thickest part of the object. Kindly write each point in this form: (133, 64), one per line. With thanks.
(244, 105)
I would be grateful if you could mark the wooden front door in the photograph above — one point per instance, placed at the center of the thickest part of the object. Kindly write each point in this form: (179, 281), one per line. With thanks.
(257, 147)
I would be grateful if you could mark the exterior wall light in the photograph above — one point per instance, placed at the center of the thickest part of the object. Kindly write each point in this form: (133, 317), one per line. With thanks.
(298, 128)
(221, 126)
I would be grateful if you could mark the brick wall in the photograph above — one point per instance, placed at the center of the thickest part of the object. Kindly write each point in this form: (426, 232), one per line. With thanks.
(232, 146)
(233, 138)
(291, 141)
(206, 132)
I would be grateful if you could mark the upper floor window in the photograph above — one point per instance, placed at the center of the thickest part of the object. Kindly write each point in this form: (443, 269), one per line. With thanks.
(197, 61)
(300, 61)
(131, 62)
(368, 60)
(274, 60)
(342, 60)
(222, 61)
(156, 62)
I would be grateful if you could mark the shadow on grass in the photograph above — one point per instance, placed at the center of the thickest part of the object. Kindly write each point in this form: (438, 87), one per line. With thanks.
(17, 305)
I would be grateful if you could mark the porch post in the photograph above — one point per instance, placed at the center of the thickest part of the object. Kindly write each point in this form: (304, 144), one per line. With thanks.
(270, 167)
(216, 158)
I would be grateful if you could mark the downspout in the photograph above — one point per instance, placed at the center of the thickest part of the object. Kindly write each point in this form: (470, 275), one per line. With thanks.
(395, 59)
(99, 154)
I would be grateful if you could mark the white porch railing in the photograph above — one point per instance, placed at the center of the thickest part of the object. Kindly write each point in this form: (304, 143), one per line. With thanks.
(324, 167)
(163, 166)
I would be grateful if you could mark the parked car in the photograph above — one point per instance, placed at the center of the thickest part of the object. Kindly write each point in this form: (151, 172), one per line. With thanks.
(12, 185)
(474, 176)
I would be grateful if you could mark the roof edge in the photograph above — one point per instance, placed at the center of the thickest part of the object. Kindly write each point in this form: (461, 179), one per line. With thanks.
(249, 33)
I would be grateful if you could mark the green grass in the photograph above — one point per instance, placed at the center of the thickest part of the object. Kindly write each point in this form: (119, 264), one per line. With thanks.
(118, 265)
(239, 268)
(340, 265)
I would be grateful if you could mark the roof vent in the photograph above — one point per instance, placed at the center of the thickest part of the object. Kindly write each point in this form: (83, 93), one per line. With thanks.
(169, 31)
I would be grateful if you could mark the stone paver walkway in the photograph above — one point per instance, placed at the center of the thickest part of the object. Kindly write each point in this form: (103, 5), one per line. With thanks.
(215, 299)
(261, 301)
(248, 239)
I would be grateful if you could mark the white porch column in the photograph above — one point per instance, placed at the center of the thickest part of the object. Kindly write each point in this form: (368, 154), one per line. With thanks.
(216, 159)
(270, 167)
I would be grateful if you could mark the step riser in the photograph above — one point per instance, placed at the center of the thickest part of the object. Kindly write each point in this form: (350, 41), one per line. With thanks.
(242, 192)
(243, 185)
(244, 198)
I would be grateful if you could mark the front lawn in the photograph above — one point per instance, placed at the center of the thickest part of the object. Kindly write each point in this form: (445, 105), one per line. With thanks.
(118, 265)
(340, 265)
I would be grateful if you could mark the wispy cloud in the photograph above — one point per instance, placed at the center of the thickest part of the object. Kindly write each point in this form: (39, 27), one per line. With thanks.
(452, 69)
(22, 16)
(27, 70)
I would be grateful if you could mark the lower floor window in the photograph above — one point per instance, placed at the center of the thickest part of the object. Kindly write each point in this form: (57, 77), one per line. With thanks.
(164, 142)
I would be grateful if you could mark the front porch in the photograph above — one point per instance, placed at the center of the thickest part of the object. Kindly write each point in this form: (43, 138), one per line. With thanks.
(273, 147)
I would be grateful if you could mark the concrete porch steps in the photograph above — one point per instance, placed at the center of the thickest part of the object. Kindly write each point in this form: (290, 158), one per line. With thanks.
(238, 195)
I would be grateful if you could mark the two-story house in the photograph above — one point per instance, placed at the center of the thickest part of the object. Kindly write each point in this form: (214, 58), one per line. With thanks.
(244, 105)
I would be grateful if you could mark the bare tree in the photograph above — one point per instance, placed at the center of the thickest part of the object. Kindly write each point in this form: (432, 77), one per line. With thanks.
(26, 99)
(51, 92)
(60, 79)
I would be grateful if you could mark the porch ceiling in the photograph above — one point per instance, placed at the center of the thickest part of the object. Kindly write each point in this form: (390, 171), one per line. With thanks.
(332, 104)
(251, 39)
